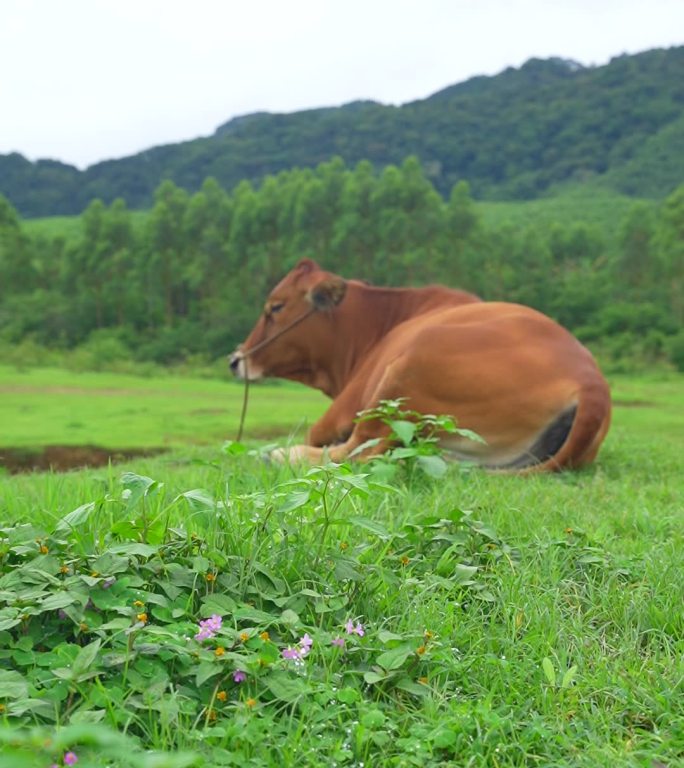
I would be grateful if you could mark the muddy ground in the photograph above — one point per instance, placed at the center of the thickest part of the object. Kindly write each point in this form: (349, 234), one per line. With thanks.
(62, 458)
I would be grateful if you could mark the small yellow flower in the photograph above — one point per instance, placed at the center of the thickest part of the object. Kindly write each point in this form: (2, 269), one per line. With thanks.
(265, 636)
(83, 626)
(64, 569)
(221, 695)
(142, 617)
(211, 714)
(210, 577)
(43, 549)
(251, 703)
(344, 545)
(569, 530)
(423, 680)
(138, 604)
(405, 560)
(244, 636)
(219, 651)
(94, 574)
(428, 635)
(420, 650)
(2, 708)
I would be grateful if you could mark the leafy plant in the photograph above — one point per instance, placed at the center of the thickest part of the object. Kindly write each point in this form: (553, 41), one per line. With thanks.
(415, 438)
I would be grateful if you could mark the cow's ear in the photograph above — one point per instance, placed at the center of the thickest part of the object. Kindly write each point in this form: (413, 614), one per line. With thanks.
(327, 293)
(304, 266)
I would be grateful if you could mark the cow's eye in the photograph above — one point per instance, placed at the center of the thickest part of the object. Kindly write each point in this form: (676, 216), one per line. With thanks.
(277, 307)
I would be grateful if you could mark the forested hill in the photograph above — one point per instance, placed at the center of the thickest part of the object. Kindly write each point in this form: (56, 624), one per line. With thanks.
(512, 136)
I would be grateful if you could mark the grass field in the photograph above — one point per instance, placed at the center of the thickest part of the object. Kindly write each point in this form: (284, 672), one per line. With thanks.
(596, 206)
(480, 620)
(51, 406)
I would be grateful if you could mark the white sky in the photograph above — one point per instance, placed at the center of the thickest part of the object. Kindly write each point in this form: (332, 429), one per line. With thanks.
(87, 80)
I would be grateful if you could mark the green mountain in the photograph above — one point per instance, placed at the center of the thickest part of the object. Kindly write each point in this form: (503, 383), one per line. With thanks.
(512, 136)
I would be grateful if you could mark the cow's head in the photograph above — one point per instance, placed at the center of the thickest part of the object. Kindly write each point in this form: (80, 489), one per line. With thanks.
(293, 326)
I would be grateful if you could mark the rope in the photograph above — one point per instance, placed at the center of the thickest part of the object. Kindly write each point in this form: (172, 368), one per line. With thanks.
(256, 348)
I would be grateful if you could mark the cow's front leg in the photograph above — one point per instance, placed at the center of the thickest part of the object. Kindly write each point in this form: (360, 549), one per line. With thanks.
(374, 432)
(327, 433)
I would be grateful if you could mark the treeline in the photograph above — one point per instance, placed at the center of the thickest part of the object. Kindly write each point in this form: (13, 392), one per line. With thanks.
(513, 136)
(190, 276)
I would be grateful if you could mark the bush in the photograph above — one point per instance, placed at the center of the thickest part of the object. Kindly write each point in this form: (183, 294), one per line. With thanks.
(675, 350)
(100, 352)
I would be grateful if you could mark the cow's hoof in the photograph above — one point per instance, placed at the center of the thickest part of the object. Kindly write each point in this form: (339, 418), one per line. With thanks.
(276, 456)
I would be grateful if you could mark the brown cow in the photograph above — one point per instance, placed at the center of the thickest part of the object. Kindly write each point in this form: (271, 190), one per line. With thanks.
(505, 371)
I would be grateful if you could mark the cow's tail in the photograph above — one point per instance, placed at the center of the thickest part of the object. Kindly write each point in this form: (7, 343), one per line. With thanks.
(589, 427)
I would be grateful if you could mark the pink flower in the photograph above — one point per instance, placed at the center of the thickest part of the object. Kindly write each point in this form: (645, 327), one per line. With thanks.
(239, 676)
(70, 758)
(305, 644)
(292, 654)
(354, 630)
(209, 627)
(338, 641)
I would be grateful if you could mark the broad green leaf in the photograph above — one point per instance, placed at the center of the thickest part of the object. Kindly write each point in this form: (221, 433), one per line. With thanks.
(134, 548)
(13, 685)
(206, 670)
(58, 600)
(433, 466)
(374, 677)
(348, 695)
(549, 671)
(367, 444)
(394, 658)
(404, 430)
(470, 435)
(75, 519)
(411, 686)
(443, 738)
(285, 687)
(568, 677)
(199, 500)
(85, 658)
(373, 718)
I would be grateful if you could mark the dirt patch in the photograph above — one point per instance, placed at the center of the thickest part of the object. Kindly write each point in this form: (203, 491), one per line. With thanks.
(61, 458)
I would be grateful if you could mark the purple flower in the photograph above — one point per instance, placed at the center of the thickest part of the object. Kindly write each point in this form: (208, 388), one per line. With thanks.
(305, 644)
(70, 758)
(239, 676)
(354, 630)
(107, 583)
(209, 627)
(292, 654)
(338, 641)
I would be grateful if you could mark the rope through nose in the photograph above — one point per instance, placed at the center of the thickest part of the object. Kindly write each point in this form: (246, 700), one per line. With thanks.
(256, 348)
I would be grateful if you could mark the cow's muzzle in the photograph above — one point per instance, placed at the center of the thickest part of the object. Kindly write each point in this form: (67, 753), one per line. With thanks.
(234, 362)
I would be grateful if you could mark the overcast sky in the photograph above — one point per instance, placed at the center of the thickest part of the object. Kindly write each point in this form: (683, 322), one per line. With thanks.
(87, 80)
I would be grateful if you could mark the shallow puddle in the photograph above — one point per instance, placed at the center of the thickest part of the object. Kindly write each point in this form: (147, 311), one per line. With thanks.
(62, 458)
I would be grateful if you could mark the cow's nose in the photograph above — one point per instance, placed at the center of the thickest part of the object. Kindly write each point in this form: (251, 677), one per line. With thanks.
(235, 361)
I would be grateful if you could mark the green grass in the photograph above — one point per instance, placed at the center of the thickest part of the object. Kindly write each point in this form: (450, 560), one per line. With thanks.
(51, 406)
(591, 204)
(68, 227)
(543, 627)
